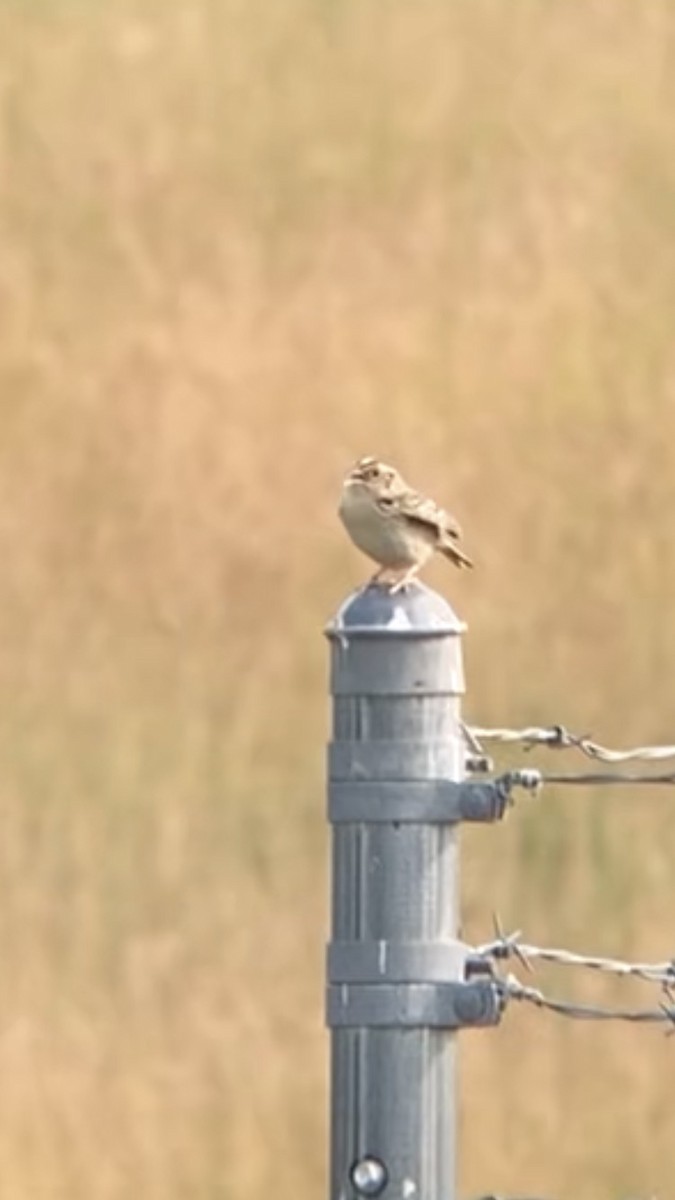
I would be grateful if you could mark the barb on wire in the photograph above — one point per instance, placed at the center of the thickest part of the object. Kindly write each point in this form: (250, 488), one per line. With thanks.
(506, 946)
(513, 989)
(559, 738)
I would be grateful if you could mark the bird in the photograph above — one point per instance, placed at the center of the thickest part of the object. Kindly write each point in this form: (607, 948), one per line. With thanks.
(394, 524)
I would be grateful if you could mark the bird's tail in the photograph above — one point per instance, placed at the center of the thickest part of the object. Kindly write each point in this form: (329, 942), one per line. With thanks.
(457, 556)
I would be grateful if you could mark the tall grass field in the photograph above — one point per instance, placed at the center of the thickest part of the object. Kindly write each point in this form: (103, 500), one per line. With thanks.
(242, 244)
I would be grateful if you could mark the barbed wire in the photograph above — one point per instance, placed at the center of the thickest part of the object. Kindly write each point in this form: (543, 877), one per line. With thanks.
(513, 989)
(506, 946)
(557, 737)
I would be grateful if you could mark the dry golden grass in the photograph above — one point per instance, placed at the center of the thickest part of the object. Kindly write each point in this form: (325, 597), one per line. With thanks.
(240, 244)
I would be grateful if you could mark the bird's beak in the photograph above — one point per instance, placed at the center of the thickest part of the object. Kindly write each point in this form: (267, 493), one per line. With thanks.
(358, 471)
(355, 474)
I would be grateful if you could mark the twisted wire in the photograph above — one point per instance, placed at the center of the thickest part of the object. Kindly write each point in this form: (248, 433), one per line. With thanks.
(557, 737)
(513, 989)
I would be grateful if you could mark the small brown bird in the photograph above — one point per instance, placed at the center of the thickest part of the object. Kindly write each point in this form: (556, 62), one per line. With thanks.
(394, 525)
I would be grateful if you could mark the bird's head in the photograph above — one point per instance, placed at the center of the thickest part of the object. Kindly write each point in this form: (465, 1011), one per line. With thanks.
(374, 474)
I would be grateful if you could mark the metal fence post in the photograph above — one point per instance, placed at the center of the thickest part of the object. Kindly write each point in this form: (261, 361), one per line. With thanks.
(397, 988)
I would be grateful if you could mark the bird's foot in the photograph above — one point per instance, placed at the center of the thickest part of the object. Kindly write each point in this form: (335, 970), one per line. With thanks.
(400, 585)
(378, 579)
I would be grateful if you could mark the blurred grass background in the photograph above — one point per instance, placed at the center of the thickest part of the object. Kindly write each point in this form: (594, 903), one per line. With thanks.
(241, 244)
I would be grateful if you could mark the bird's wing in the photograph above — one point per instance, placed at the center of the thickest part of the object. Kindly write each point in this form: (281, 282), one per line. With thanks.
(422, 510)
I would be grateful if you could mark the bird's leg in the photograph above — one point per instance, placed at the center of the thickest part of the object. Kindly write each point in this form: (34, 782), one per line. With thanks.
(376, 579)
(406, 578)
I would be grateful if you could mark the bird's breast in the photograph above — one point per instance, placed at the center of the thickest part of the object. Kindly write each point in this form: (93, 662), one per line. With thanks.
(387, 537)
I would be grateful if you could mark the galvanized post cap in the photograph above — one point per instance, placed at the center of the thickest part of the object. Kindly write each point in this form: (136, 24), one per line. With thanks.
(415, 610)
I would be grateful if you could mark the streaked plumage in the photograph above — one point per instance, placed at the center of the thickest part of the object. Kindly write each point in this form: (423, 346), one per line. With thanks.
(393, 524)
